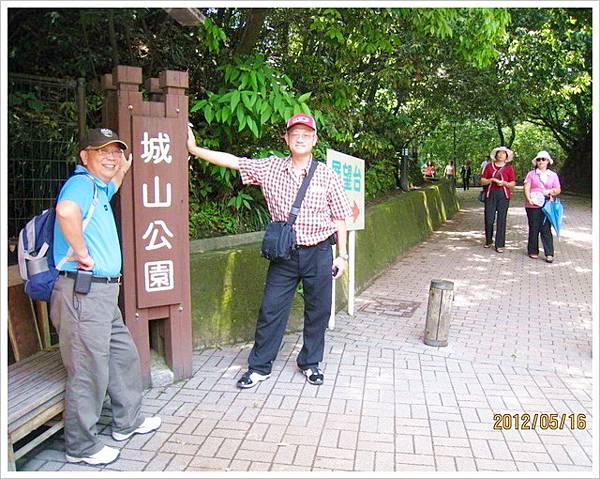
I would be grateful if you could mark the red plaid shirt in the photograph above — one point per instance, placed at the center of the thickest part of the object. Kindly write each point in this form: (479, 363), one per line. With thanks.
(324, 202)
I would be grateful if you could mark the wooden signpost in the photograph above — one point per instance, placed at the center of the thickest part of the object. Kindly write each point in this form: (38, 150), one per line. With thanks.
(152, 210)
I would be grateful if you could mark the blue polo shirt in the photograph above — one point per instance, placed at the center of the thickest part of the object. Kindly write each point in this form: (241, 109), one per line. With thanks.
(100, 235)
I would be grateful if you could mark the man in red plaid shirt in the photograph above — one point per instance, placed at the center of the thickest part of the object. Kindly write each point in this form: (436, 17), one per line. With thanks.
(320, 222)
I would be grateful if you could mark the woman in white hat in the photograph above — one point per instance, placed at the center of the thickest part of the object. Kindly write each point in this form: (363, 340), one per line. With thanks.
(541, 183)
(499, 178)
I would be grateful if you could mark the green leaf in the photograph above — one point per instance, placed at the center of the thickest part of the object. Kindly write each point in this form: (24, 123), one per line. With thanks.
(198, 106)
(264, 116)
(226, 97)
(263, 106)
(252, 126)
(249, 98)
(303, 98)
(242, 122)
(235, 99)
(240, 114)
(245, 77)
(278, 104)
(226, 114)
(208, 114)
(260, 77)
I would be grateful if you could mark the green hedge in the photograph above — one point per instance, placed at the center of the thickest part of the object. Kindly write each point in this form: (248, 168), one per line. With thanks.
(227, 284)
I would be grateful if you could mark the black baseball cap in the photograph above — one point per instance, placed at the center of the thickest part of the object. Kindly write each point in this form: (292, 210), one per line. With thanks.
(99, 138)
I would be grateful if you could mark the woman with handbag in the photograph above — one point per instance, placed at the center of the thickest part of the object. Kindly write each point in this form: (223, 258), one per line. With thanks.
(499, 178)
(541, 185)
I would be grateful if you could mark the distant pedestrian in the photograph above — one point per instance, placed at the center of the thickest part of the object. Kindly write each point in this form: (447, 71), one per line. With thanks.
(484, 163)
(500, 178)
(428, 170)
(541, 184)
(477, 173)
(465, 173)
(449, 171)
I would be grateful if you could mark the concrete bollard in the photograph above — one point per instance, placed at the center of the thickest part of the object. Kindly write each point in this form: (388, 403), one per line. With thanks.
(439, 311)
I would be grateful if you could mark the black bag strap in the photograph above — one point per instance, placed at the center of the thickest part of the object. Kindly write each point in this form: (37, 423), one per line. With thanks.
(301, 192)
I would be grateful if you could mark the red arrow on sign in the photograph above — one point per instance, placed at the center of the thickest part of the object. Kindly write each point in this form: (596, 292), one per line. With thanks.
(355, 211)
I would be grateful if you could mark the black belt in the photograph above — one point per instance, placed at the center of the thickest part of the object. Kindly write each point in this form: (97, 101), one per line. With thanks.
(326, 240)
(95, 279)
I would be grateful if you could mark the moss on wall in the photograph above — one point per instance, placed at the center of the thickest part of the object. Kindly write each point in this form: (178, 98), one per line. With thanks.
(227, 284)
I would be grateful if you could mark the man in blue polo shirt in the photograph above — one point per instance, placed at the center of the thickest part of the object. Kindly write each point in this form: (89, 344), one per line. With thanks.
(96, 346)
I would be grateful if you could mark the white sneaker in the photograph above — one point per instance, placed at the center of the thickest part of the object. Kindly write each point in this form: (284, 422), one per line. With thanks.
(150, 424)
(250, 379)
(106, 455)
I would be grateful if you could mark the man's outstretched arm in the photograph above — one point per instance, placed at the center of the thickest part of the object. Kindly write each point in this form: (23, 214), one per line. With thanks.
(218, 158)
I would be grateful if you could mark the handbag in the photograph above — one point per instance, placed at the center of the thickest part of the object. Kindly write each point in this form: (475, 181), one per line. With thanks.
(482, 194)
(280, 238)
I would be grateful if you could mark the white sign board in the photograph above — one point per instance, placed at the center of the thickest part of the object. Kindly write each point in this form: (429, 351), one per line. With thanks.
(351, 171)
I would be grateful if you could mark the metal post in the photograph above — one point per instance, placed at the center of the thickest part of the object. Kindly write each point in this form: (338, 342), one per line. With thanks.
(351, 270)
(331, 323)
(81, 108)
(404, 176)
(404, 168)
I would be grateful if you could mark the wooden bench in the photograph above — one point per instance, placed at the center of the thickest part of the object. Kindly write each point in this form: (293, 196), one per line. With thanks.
(36, 392)
(36, 381)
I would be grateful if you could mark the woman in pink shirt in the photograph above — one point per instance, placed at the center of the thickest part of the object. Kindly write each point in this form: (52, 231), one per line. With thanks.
(541, 185)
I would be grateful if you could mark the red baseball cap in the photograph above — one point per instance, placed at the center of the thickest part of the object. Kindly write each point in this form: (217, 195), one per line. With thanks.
(302, 119)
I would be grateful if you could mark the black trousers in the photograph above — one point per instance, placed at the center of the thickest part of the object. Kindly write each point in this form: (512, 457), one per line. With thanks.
(538, 227)
(496, 205)
(312, 266)
(465, 181)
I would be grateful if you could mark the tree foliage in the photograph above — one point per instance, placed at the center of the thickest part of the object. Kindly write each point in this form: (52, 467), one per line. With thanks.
(376, 79)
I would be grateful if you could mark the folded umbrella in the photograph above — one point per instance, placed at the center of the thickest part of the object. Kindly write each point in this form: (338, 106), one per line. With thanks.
(553, 209)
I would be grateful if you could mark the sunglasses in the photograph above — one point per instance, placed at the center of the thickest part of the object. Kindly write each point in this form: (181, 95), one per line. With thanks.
(541, 159)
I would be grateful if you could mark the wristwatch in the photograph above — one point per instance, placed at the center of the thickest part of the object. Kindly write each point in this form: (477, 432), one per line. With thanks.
(344, 256)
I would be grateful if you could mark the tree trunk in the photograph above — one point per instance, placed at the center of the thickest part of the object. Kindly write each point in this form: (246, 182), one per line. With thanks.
(512, 135)
(500, 132)
(256, 18)
(113, 38)
(576, 172)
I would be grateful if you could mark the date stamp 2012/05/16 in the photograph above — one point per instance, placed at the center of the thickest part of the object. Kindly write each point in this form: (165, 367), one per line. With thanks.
(543, 421)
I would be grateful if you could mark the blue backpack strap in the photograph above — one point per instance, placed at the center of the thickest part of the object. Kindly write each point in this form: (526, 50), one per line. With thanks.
(87, 218)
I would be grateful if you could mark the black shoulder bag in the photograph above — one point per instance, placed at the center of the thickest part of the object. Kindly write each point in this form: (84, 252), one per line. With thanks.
(280, 238)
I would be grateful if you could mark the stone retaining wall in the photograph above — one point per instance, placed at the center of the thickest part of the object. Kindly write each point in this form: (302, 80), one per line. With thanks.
(228, 274)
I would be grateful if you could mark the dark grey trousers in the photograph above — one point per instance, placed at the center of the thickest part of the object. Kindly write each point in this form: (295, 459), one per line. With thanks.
(313, 267)
(99, 356)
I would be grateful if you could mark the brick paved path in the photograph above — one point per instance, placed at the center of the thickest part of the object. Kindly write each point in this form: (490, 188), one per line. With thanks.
(520, 342)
